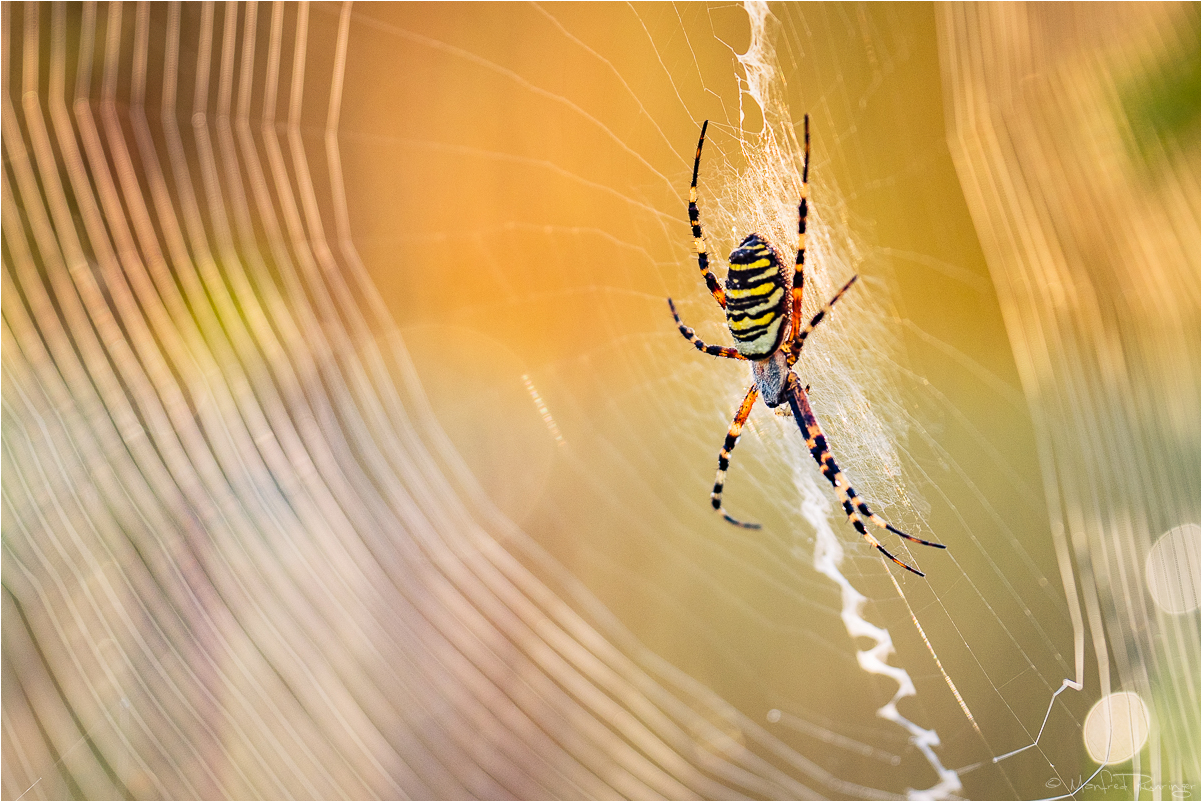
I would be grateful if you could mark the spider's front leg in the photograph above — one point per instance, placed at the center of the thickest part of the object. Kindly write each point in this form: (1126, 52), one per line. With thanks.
(712, 350)
(732, 438)
(852, 504)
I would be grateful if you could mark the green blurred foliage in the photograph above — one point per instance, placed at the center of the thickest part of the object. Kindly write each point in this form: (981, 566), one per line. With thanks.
(1164, 104)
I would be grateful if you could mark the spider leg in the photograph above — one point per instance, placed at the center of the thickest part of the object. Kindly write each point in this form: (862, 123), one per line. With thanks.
(800, 338)
(802, 213)
(852, 504)
(703, 259)
(732, 437)
(712, 350)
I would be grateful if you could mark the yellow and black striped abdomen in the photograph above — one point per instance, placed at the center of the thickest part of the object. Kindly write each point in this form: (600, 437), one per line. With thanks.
(756, 299)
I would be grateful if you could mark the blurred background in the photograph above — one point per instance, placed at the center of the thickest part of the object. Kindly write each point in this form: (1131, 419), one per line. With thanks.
(350, 448)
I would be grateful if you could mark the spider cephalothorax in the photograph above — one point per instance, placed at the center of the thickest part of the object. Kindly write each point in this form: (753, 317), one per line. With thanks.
(763, 313)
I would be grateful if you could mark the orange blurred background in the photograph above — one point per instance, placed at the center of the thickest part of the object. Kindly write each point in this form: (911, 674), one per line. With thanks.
(1015, 376)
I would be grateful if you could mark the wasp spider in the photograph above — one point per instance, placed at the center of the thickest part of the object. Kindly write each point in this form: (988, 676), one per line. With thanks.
(763, 311)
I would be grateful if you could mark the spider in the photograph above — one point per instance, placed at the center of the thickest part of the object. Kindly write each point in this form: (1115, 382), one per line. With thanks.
(763, 313)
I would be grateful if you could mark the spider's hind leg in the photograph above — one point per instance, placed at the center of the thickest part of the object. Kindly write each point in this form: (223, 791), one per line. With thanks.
(803, 208)
(732, 437)
(703, 259)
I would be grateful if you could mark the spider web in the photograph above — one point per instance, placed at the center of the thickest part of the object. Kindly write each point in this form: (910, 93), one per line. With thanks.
(350, 449)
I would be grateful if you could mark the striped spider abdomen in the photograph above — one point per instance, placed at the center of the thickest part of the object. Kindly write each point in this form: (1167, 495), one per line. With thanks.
(757, 300)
